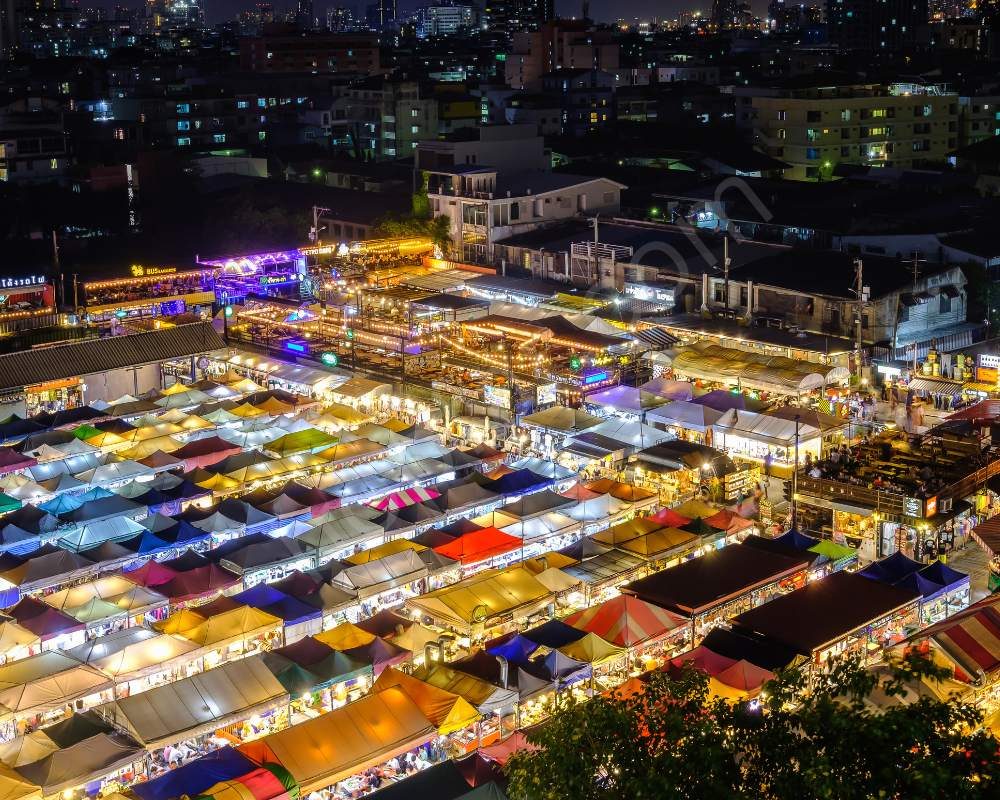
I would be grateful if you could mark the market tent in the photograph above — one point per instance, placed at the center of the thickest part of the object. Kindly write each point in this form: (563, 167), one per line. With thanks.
(601, 566)
(26, 749)
(532, 505)
(77, 765)
(193, 778)
(726, 520)
(135, 653)
(562, 668)
(480, 545)
(17, 641)
(488, 594)
(442, 781)
(202, 452)
(348, 740)
(345, 636)
(504, 749)
(46, 566)
(626, 531)
(380, 654)
(197, 705)
(701, 658)
(254, 555)
(14, 786)
(310, 440)
(406, 497)
(626, 492)
(663, 543)
(739, 680)
(389, 572)
(592, 649)
(269, 782)
(448, 710)
(762, 428)
(668, 389)
(13, 461)
(968, 639)
(597, 508)
(562, 419)
(627, 621)
(341, 534)
(197, 583)
(891, 568)
(400, 631)
(114, 529)
(383, 550)
(625, 398)
(47, 681)
(228, 627)
(485, 697)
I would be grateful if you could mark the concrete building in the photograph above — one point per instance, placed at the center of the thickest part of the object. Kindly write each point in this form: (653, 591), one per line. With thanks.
(815, 129)
(484, 205)
(888, 26)
(310, 52)
(387, 118)
(508, 148)
(978, 118)
(449, 19)
(562, 44)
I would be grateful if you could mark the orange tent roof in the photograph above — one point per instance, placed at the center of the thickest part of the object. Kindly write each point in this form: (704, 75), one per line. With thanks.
(449, 712)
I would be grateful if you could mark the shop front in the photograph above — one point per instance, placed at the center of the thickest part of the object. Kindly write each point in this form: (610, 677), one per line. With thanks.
(54, 396)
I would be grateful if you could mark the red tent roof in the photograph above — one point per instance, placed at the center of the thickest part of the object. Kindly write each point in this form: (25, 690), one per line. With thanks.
(42, 619)
(669, 518)
(152, 573)
(971, 637)
(198, 582)
(479, 545)
(626, 621)
(701, 658)
(727, 520)
(205, 447)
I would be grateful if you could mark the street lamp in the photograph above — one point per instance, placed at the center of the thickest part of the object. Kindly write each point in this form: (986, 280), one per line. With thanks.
(795, 477)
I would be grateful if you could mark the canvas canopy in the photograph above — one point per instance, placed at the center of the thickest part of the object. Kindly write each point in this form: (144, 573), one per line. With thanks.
(202, 703)
(341, 534)
(322, 751)
(627, 621)
(448, 710)
(135, 653)
(47, 681)
(484, 596)
(481, 695)
(378, 576)
(562, 419)
(80, 763)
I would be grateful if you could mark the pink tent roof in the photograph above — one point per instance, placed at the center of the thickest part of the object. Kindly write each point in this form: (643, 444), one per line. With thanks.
(12, 461)
(503, 750)
(152, 573)
(702, 658)
(404, 498)
(669, 518)
(626, 621)
(728, 521)
(744, 676)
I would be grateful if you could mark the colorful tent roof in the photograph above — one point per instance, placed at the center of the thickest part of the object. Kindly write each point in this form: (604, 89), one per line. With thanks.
(479, 545)
(404, 498)
(450, 712)
(592, 649)
(345, 636)
(627, 621)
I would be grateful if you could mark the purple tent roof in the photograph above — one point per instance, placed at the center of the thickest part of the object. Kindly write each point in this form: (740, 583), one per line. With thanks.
(722, 400)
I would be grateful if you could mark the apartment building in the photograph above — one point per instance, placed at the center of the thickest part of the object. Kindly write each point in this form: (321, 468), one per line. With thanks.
(289, 51)
(388, 118)
(484, 205)
(815, 129)
(562, 44)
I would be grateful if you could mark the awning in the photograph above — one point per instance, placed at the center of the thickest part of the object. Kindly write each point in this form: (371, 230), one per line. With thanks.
(931, 386)
(333, 746)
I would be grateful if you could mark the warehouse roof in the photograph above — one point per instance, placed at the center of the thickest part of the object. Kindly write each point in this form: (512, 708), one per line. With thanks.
(102, 355)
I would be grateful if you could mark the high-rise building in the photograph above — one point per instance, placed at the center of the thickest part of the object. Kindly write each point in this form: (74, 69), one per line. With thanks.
(280, 51)
(888, 26)
(507, 17)
(305, 20)
(728, 14)
(341, 19)
(448, 18)
(171, 15)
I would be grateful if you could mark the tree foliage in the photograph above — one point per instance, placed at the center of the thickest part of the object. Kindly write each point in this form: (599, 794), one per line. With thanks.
(822, 739)
(437, 229)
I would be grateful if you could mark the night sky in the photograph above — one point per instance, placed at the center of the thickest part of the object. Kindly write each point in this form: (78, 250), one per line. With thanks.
(601, 10)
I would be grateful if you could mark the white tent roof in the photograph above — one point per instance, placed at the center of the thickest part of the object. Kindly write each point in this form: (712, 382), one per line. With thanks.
(542, 527)
(684, 414)
(115, 472)
(633, 434)
(113, 529)
(763, 428)
(596, 508)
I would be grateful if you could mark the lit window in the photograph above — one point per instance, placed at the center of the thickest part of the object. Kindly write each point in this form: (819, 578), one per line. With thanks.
(183, 141)
(414, 129)
(261, 135)
(219, 138)
(183, 125)
(183, 108)
(261, 102)
(242, 103)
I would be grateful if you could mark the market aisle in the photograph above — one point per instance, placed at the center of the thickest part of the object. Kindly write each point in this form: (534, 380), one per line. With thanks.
(972, 559)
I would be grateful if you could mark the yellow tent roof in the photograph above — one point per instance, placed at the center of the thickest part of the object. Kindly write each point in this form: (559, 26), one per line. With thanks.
(626, 531)
(219, 483)
(345, 636)
(659, 541)
(148, 656)
(475, 690)
(482, 596)
(192, 422)
(414, 638)
(275, 407)
(238, 623)
(13, 635)
(696, 508)
(549, 560)
(107, 588)
(14, 787)
(450, 712)
(105, 439)
(592, 649)
(324, 750)
(395, 425)
(26, 749)
(556, 580)
(176, 388)
(155, 431)
(246, 410)
(383, 550)
(146, 448)
(180, 622)
(345, 414)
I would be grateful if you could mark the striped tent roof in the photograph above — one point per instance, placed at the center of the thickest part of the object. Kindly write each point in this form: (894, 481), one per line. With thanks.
(626, 621)
(970, 638)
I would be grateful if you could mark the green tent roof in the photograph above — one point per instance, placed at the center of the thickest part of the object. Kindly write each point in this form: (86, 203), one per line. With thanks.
(832, 550)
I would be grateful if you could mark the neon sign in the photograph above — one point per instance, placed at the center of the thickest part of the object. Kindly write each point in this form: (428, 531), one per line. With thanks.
(595, 377)
(139, 271)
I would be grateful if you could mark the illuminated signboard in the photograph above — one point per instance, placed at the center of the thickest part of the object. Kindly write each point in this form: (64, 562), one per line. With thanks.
(912, 506)
(139, 271)
(496, 396)
(297, 346)
(595, 377)
(546, 393)
(276, 280)
(26, 281)
(930, 506)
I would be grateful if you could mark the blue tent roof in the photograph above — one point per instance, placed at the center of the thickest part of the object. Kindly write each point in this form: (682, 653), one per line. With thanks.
(564, 669)
(14, 428)
(891, 569)
(554, 634)
(147, 542)
(520, 480)
(183, 533)
(153, 497)
(292, 611)
(516, 649)
(61, 504)
(95, 493)
(193, 778)
(796, 539)
(939, 572)
(262, 594)
(923, 586)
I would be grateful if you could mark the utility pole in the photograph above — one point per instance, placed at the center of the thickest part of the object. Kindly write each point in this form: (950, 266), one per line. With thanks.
(314, 231)
(597, 264)
(725, 273)
(509, 352)
(916, 276)
(862, 292)
(795, 477)
(57, 270)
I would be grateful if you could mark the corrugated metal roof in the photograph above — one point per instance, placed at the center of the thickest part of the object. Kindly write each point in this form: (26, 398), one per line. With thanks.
(101, 355)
